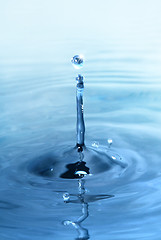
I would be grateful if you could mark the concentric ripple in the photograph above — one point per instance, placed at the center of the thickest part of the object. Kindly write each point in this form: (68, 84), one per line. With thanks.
(67, 164)
(39, 189)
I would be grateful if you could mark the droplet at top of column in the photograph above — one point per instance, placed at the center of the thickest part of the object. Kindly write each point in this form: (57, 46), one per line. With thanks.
(77, 61)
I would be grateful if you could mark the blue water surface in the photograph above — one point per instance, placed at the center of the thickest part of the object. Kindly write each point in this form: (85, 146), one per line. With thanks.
(121, 42)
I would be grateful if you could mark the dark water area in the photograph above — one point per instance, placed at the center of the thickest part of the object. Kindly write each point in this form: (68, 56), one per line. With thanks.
(120, 197)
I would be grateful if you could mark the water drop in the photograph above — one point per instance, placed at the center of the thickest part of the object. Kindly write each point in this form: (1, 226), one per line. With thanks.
(95, 144)
(66, 197)
(77, 61)
(109, 142)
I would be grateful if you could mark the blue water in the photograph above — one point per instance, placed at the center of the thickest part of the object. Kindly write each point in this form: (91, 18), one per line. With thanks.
(120, 199)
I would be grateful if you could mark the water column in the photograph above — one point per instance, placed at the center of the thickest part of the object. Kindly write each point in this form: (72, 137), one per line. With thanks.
(80, 117)
(77, 62)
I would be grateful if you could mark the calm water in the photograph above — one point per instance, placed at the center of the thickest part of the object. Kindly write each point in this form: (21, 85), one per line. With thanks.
(122, 200)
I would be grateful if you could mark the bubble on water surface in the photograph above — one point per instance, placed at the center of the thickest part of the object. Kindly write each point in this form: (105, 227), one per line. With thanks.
(67, 222)
(66, 197)
(77, 61)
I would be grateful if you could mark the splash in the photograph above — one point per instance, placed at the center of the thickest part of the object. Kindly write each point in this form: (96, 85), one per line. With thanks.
(80, 161)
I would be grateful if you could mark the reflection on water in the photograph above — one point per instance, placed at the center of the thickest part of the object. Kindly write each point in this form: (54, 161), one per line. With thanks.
(83, 200)
(82, 232)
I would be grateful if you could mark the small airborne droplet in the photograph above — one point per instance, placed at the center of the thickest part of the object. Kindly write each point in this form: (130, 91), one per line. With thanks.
(109, 142)
(77, 61)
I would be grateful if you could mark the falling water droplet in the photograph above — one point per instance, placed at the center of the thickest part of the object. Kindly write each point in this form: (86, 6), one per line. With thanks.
(95, 144)
(66, 197)
(77, 61)
(109, 142)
